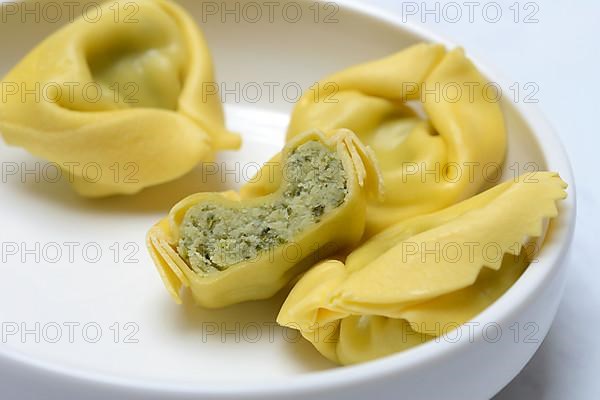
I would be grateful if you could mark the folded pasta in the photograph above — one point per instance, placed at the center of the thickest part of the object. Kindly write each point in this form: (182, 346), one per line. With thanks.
(228, 250)
(427, 163)
(126, 95)
(425, 276)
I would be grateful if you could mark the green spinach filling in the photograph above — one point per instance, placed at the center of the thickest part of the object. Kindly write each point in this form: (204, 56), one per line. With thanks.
(214, 236)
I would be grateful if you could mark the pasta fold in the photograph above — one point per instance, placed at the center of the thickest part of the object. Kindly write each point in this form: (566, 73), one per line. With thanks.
(127, 94)
(427, 163)
(424, 276)
(227, 249)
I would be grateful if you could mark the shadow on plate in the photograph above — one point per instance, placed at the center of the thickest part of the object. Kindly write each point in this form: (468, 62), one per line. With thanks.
(150, 200)
(245, 324)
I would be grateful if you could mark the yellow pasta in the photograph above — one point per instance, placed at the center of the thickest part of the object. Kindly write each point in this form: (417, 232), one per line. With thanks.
(423, 276)
(427, 163)
(228, 250)
(119, 95)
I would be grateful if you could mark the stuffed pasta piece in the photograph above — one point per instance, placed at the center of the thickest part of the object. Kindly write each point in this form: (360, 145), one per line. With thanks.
(126, 95)
(432, 119)
(425, 276)
(228, 250)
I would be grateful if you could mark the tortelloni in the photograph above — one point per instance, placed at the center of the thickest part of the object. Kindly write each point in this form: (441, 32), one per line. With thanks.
(123, 92)
(427, 164)
(423, 277)
(228, 250)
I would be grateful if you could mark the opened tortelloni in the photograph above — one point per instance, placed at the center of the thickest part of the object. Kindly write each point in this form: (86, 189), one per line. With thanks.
(228, 250)
(426, 276)
(123, 94)
(427, 163)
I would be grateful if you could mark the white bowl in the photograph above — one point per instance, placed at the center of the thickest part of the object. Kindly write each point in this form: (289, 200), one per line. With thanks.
(173, 357)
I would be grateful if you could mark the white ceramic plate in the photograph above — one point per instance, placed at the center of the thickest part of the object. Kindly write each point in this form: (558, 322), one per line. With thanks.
(78, 324)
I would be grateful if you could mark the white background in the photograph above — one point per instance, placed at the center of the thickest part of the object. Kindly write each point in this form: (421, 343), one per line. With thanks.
(560, 53)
